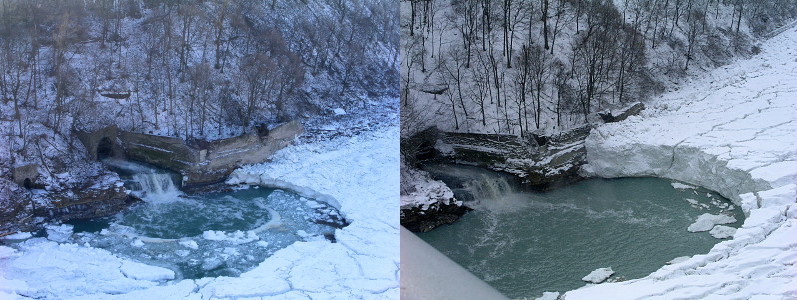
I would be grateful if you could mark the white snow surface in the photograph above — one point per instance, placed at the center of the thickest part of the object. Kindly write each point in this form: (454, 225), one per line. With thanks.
(598, 275)
(732, 131)
(358, 174)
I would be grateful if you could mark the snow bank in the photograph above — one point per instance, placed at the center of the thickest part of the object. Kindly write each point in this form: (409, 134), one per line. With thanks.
(598, 275)
(141, 271)
(730, 131)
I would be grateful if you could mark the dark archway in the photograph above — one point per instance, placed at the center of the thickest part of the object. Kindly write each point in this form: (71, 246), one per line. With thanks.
(27, 183)
(104, 148)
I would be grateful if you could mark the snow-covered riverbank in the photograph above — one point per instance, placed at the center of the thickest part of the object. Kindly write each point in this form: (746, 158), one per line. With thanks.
(733, 131)
(358, 174)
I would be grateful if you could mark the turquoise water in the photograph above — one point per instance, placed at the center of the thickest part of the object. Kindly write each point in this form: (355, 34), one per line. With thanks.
(206, 235)
(525, 243)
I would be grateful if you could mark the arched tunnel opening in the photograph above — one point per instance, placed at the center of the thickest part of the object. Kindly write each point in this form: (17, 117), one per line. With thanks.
(27, 183)
(104, 148)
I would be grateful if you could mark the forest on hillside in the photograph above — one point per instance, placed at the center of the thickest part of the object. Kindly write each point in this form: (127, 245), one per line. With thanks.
(519, 66)
(189, 69)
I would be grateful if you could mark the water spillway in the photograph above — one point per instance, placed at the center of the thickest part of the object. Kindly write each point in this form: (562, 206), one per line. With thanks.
(524, 243)
(212, 234)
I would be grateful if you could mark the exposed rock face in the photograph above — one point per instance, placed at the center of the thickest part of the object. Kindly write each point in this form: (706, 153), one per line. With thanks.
(87, 202)
(426, 203)
(416, 219)
(15, 209)
(617, 115)
(26, 211)
(26, 175)
(542, 161)
(200, 162)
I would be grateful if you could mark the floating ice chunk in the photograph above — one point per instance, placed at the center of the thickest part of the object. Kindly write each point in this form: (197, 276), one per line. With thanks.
(722, 232)
(189, 244)
(314, 204)
(706, 222)
(236, 237)
(263, 244)
(599, 275)
(182, 252)
(231, 251)
(59, 233)
(681, 186)
(211, 263)
(679, 259)
(549, 296)
(141, 271)
(339, 111)
(137, 243)
(17, 236)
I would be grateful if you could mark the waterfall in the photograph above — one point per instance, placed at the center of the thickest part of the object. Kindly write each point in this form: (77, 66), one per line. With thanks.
(149, 183)
(473, 184)
(487, 186)
(156, 184)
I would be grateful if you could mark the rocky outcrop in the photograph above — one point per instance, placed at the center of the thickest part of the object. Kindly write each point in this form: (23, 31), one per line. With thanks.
(102, 196)
(541, 161)
(426, 203)
(417, 219)
(617, 115)
(87, 202)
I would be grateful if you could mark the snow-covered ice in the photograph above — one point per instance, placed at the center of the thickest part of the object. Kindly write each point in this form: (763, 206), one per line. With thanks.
(17, 236)
(359, 174)
(731, 131)
(549, 296)
(706, 222)
(722, 232)
(598, 275)
(141, 271)
(678, 260)
(681, 186)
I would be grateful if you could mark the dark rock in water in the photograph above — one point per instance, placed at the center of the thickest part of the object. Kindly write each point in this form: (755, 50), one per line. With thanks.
(617, 115)
(417, 219)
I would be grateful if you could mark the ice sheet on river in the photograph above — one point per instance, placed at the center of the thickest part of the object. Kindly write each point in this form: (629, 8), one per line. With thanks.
(732, 131)
(359, 174)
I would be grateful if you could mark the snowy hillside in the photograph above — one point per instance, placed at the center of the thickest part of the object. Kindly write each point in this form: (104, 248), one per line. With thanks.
(202, 70)
(733, 131)
(520, 66)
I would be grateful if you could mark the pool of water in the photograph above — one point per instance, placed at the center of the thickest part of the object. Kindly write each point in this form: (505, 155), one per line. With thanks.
(207, 235)
(524, 243)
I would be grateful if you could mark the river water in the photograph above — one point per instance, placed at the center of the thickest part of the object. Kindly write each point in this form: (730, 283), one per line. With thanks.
(524, 243)
(207, 235)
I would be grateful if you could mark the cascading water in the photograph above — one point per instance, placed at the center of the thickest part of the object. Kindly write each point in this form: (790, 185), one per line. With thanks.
(146, 182)
(478, 189)
(156, 184)
(525, 243)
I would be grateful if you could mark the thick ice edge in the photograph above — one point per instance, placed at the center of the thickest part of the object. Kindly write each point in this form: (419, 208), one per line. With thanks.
(360, 175)
(732, 131)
